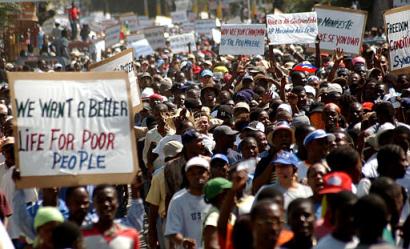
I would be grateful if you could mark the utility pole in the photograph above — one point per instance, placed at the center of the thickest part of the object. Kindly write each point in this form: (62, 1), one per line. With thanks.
(146, 8)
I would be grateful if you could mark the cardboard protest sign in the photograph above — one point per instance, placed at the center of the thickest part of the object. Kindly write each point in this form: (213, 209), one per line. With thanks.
(397, 30)
(130, 21)
(112, 35)
(134, 38)
(180, 43)
(179, 16)
(242, 39)
(155, 36)
(141, 48)
(145, 22)
(205, 26)
(73, 128)
(182, 5)
(188, 27)
(399, 3)
(340, 28)
(292, 28)
(122, 62)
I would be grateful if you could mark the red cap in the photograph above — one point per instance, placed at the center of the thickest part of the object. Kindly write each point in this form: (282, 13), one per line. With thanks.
(336, 182)
(367, 106)
(156, 96)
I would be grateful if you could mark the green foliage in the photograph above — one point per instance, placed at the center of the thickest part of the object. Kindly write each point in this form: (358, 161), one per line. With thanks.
(5, 10)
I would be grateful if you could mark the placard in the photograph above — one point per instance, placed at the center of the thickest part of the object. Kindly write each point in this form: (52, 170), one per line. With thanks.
(179, 17)
(134, 38)
(73, 128)
(145, 22)
(205, 26)
(141, 48)
(122, 62)
(130, 21)
(242, 39)
(188, 27)
(397, 30)
(340, 28)
(399, 3)
(292, 28)
(155, 36)
(180, 43)
(112, 35)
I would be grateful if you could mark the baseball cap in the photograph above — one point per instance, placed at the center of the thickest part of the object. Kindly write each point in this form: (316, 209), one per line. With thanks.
(172, 148)
(282, 125)
(317, 134)
(220, 157)
(146, 75)
(224, 111)
(198, 162)
(285, 107)
(255, 126)
(47, 214)
(206, 72)
(190, 136)
(336, 182)
(214, 187)
(367, 106)
(286, 157)
(358, 59)
(224, 130)
(243, 105)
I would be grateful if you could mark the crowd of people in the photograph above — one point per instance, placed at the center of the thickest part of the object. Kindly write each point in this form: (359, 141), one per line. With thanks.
(291, 149)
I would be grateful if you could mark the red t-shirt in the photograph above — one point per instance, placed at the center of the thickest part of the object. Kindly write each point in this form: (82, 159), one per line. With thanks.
(73, 13)
(118, 238)
(5, 210)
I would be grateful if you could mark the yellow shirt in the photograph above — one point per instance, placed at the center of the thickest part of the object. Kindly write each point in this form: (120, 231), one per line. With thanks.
(156, 194)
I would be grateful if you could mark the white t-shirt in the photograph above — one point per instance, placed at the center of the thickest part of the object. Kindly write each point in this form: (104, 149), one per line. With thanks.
(329, 241)
(301, 191)
(186, 214)
(370, 167)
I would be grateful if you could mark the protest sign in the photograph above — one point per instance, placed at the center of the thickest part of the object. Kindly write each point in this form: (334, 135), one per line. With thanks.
(399, 3)
(73, 128)
(141, 48)
(179, 17)
(242, 39)
(122, 62)
(130, 21)
(188, 27)
(182, 5)
(145, 22)
(292, 28)
(205, 26)
(397, 30)
(155, 36)
(112, 35)
(179, 43)
(134, 38)
(340, 28)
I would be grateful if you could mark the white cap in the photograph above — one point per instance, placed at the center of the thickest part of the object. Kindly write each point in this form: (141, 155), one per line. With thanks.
(286, 107)
(172, 148)
(197, 161)
(147, 92)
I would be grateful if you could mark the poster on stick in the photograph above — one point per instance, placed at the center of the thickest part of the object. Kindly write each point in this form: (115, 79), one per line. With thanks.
(155, 36)
(112, 35)
(398, 35)
(122, 62)
(73, 128)
(292, 28)
(205, 26)
(242, 39)
(179, 17)
(182, 43)
(141, 48)
(340, 28)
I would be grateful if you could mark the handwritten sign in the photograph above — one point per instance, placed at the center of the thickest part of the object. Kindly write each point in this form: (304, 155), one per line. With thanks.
(112, 35)
(145, 22)
(242, 39)
(179, 43)
(397, 30)
(179, 17)
(141, 48)
(205, 26)
(122, 62)
(340, 28)
(399, 3)
(292, 28)
(130, 21)
(73, 128)
(134, 38)
(188, 27)
(155, 36)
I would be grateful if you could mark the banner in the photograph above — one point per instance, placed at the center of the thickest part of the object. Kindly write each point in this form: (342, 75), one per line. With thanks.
(292, 28)
(141, 48)
(77, 130)
(130, 21)
(398, 35)
(179, 43)
(179, 17)
(242, 39)
(155, 36)
(205, 26)
(341, 28)
(122, 62)
(112, 35)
